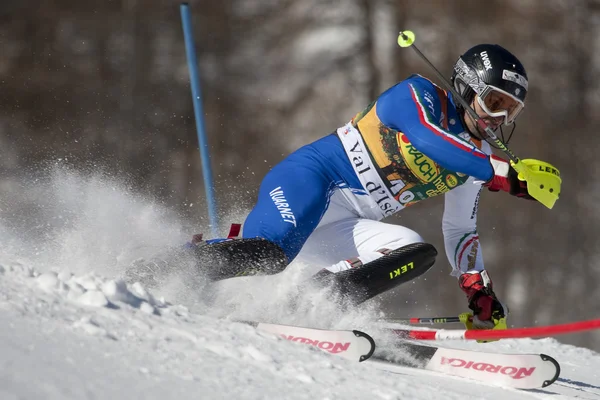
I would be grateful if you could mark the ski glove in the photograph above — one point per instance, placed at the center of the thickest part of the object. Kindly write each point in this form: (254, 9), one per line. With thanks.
(488, 311)
(506, 179)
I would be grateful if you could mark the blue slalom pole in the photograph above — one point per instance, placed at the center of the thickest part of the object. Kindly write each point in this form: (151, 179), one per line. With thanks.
(188, 34)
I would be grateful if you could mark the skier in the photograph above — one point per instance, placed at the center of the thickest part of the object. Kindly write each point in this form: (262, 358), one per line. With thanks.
(323, 203)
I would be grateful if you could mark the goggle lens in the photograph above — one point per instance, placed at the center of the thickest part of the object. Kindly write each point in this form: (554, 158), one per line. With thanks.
(498, 103)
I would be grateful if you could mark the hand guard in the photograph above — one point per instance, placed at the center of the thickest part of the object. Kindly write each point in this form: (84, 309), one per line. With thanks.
(506, 179)
(488, 311)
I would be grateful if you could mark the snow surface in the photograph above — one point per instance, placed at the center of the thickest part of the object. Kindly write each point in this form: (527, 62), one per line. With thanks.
(69, 336)
(71, 329)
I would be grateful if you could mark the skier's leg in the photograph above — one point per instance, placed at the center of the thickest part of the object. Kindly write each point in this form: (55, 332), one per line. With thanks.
(332, 240)
(291, 202)
(374, 239)
(292, 199)
(331, 245)
(375, 256)
(390, 269)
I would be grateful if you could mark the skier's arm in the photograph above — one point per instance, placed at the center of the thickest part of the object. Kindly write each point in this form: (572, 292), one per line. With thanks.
(464, 254)
(414, 108)
(459, 226)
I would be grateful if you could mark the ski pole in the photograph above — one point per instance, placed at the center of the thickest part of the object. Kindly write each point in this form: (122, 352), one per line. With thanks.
(422, 321)
(542, 178)
(463, 317)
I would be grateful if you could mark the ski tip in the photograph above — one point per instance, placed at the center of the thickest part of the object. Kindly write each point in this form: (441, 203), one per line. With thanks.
(371, 341)
(556, 364)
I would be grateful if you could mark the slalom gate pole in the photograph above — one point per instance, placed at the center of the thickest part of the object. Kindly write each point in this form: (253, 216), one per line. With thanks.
(488, 334)
(192, 59)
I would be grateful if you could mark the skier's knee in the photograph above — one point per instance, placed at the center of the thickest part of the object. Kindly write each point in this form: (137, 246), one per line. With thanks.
(405, 240)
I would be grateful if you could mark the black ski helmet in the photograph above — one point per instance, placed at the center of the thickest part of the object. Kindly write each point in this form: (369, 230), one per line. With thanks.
(489, 66)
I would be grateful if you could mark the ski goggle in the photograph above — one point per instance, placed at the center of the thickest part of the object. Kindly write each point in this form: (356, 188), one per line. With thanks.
(499, 103)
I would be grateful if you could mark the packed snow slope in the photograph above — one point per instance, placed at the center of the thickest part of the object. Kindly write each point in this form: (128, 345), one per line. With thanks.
(65, 336)
(72, 329)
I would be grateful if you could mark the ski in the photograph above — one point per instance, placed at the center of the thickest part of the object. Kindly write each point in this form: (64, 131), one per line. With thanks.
(519, 371)
(350, 344)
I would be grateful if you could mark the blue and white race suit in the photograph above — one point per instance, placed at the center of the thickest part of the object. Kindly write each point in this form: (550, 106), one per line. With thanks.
(324, 202)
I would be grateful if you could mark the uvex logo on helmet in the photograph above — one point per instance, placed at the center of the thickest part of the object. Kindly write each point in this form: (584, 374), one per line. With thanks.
(486, 60)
